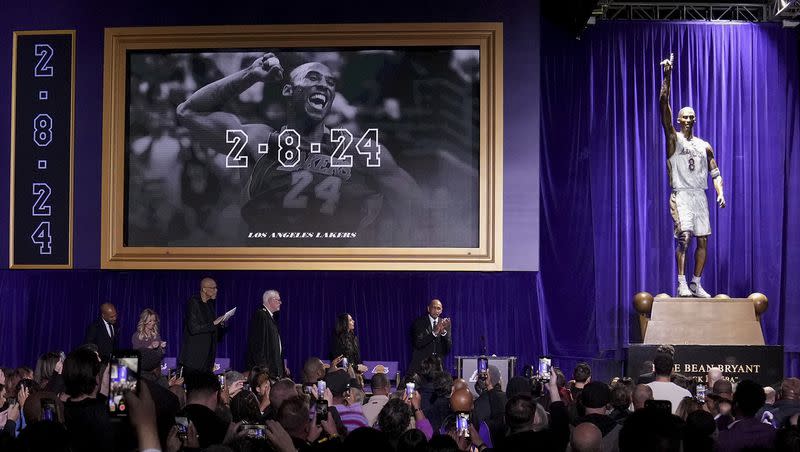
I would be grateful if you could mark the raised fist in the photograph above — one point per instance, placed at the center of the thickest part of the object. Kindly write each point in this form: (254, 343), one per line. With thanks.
(668, 63)
(268, 68)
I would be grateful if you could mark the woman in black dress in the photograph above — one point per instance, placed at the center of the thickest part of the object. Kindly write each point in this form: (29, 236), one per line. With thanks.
(344, 342)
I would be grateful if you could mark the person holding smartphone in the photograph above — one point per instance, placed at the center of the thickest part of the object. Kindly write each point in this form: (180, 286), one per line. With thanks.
(430, 335)
(147, 338)
(344, 342)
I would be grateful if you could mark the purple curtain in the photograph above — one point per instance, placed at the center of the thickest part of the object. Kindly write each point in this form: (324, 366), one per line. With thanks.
(49, 310)
(606, 228)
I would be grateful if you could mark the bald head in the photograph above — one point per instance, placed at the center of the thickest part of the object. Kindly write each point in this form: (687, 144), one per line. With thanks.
(769, 391)
(460, 383)
(641, 393)
(108, 312)
(435, 308)
(714, 375)
(208, 289)
(586, 437)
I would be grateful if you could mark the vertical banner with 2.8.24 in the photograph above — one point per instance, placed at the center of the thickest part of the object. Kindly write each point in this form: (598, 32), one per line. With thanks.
(42, 123)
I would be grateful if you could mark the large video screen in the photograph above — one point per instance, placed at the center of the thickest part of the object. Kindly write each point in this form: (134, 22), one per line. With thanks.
(333, 147)
(360, 147)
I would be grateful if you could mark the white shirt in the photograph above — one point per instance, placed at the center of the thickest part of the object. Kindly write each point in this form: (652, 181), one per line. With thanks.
(663, 390)
(435, 322)
(373, 407)
(109, 329)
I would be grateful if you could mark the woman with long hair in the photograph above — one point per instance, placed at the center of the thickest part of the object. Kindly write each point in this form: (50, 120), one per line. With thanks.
(344, 342)
(47, 365)
(147, 335)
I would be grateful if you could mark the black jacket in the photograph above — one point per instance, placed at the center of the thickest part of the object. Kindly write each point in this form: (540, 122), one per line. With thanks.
(263, 343)
(426, 344)
(96, 333)
(200, 335)
(347, 346)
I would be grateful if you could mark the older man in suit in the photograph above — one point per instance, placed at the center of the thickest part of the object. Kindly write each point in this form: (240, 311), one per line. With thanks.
(103, 331)
(202, 329)
(430, 335)
(264, 347)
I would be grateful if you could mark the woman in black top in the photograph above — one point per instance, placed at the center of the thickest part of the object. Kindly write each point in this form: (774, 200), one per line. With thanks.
(344, 342)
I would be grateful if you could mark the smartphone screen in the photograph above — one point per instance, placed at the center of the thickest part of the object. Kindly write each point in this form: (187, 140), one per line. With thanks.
(182, 422)
(545, 366)
(255, 431)
(321, 386)
(701, 393)
(322, 410)
(48, 410)
(221, 379)
(462, 424)
(410, 387)
(483, 364)
(124, 377)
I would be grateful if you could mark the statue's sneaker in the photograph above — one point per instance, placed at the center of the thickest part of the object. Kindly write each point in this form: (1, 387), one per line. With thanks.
(698, 291)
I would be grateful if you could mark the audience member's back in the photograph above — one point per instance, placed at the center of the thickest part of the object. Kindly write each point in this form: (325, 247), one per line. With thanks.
(652, 430)
(747, 432)
(85, 413)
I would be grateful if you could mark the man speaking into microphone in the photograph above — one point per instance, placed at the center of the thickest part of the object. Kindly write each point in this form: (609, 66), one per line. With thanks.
(430, 335)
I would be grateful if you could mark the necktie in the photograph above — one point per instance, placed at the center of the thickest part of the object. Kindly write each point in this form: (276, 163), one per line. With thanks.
(435, 321)
(111, 330)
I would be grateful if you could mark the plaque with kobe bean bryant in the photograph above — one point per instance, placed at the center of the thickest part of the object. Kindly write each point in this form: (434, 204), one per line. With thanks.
(366, 147)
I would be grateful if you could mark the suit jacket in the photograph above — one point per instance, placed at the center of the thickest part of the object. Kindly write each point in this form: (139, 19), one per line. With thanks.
(425, 344)
(200, 335)
(263, 343)
(96, 333)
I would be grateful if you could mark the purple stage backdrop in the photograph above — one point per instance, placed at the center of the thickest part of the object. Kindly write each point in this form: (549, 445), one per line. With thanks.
(606, 231)
(606, 228)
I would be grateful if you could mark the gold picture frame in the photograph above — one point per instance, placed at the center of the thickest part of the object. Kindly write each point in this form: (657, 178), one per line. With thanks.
(120, 43)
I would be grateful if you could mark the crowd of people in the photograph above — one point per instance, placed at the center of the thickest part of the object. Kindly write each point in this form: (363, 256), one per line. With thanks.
(63, 404)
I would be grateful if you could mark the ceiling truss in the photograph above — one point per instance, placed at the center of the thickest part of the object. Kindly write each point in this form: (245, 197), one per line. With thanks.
(774, 10)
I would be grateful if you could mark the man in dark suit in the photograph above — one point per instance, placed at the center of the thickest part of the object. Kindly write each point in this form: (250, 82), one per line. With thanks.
(430, 335)
(202, 329)
(103, 331)
(264, 347)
